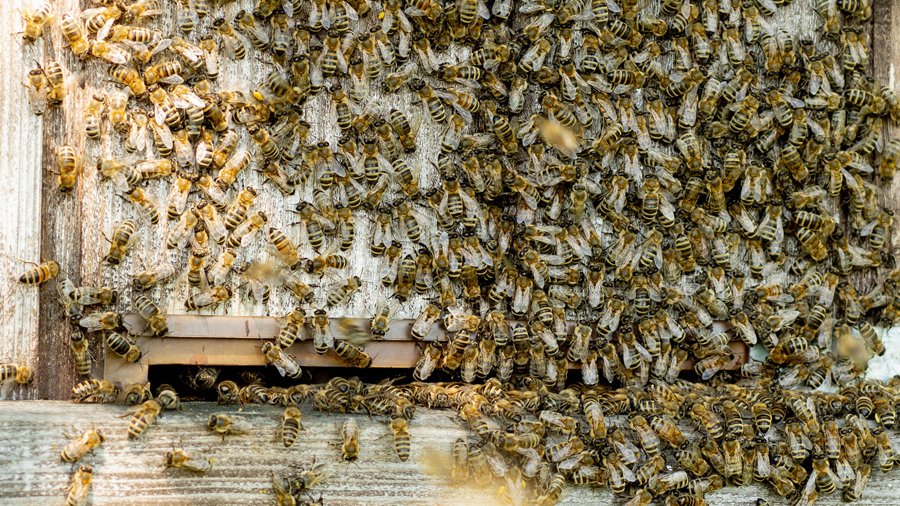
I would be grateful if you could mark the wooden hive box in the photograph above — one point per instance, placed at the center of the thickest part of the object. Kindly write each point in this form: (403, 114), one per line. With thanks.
(37, 222)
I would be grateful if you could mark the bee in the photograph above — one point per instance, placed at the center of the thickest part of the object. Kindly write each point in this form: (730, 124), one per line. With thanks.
(84, 444)
(232, 168)
(290, 426)
(224, 425)
(244, 232)
(352, 354)
(143, 417)
(284, 363)
(648, 439)
(314, 224)
(210, 298)
(227, 392)
(349, 440)
(253, 30)
(381, 321)
(342, 293)
(69, 164)
(400, 432)
(80, 487)
(149, 208)
(73, 31)
(237, 210)
(177, 458)
(40, 273)
(152, 314)
(138, 393)
(124, 346)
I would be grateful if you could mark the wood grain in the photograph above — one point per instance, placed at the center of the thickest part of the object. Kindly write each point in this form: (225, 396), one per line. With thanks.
(61, 225)
(885, 61)
(20, 206)
(132, 472)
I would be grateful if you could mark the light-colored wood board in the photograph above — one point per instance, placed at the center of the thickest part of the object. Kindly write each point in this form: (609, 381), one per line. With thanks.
(132, 472)
(20, 207)
(236, 341)
(262, 327)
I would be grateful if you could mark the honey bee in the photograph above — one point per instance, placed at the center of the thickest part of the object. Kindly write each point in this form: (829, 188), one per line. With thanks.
(284, 363)
(177, 458)
(244, 232)
(224, 425)
(342, 293)
(290, 426)
(73, 31)
(228, 392)
(84, 444)
(349, 440)
(138, 393)
(143, 417)
(400, 432)
(353, 355)
(212, 297)
(80, 487)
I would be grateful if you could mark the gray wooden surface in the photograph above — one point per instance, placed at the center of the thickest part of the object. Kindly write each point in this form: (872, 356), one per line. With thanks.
(132, 472)
(20, 197)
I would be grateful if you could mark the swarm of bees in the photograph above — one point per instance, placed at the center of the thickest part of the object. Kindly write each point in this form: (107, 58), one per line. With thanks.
(612, 178)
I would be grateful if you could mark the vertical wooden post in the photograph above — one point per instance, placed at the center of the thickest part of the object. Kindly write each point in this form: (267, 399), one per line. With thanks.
(60, 225)
(886, 60)
(20, 172)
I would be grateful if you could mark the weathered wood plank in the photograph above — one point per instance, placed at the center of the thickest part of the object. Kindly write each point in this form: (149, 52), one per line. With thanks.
(886, 59)
(132, 471)
(61, 232)
(20, 207)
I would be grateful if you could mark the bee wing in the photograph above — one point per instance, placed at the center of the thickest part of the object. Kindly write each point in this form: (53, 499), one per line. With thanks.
(351, 12)
(164, 133)
(104, 30)
(483, 10)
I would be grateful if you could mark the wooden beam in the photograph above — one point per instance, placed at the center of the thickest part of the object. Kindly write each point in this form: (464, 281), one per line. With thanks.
(236, 341)
(132, 471)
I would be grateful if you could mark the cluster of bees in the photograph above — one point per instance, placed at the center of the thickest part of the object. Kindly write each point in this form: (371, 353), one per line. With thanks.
(642, 170)
(669, 443)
